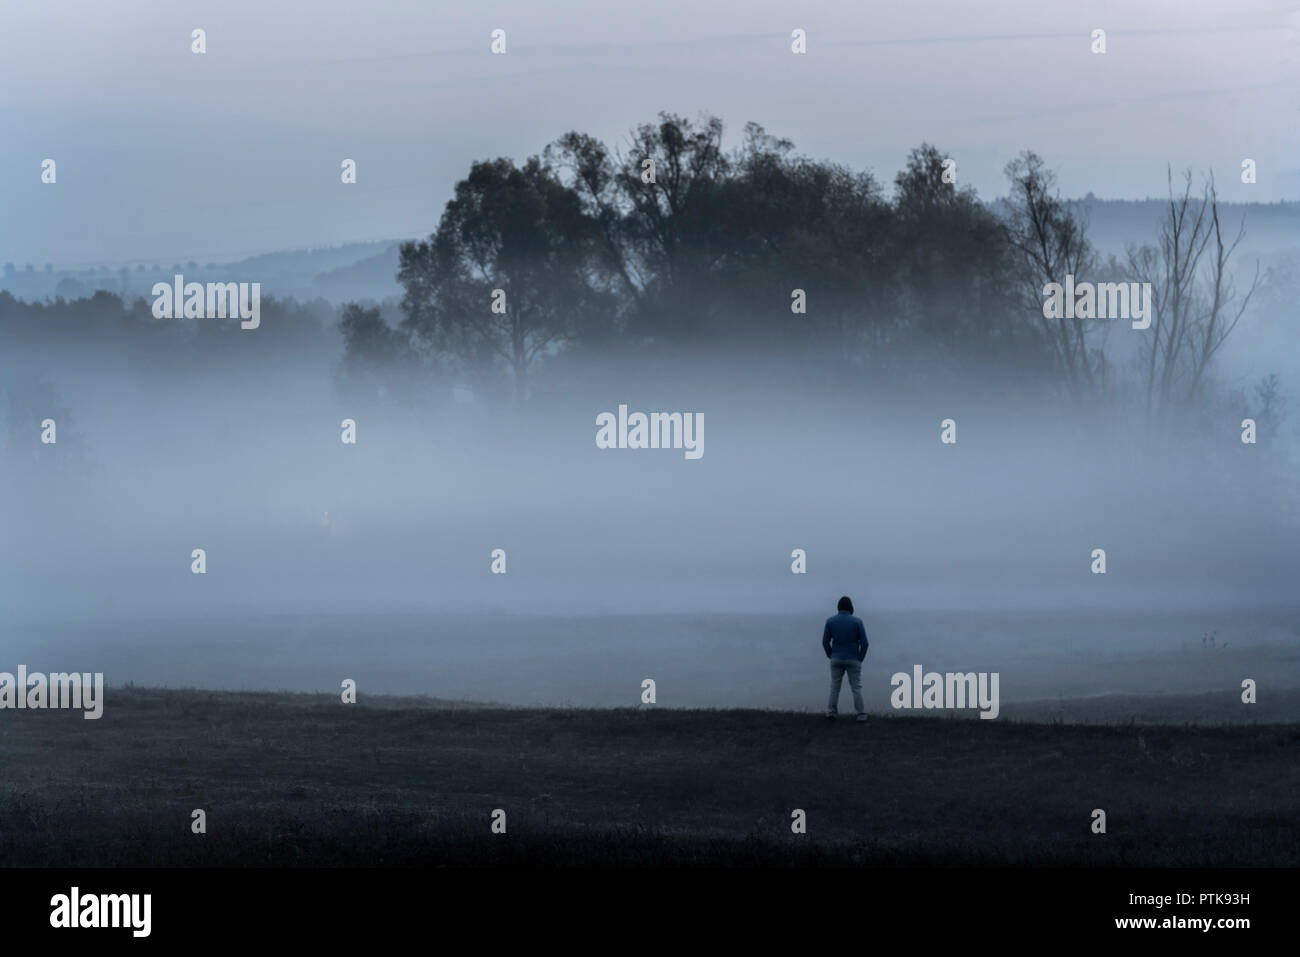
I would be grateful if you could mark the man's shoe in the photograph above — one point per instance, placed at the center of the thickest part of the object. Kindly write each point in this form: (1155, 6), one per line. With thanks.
(830, 717)
(862, 717)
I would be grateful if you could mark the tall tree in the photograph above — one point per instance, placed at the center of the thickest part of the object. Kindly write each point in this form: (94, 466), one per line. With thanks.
(654, 203)
(1049, 242)
(950, 263)
(1195, 302)
(705, 243)
(514, 229)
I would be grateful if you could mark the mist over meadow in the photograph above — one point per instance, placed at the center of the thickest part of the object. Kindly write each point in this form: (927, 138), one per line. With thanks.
(935, 445)
(253, 470)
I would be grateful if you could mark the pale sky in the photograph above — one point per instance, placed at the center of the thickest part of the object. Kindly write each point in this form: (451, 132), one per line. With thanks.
(164, 155)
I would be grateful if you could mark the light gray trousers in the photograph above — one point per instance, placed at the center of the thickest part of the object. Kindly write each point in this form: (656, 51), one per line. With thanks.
(853, 668)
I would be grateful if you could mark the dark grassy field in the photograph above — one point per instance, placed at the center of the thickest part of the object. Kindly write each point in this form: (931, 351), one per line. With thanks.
(304, 780)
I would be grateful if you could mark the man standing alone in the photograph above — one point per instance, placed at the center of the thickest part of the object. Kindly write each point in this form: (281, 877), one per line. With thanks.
(844, 639)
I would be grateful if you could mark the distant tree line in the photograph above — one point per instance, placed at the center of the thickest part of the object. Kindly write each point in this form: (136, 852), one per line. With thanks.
(673, 245)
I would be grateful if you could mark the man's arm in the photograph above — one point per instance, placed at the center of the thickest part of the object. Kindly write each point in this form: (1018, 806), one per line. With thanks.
(862, 642)
(826, 639)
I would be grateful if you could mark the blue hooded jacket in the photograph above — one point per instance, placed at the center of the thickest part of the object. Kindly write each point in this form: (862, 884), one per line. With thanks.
(844, 637)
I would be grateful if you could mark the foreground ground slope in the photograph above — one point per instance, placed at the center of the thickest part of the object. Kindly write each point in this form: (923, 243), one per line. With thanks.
(304, 780)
